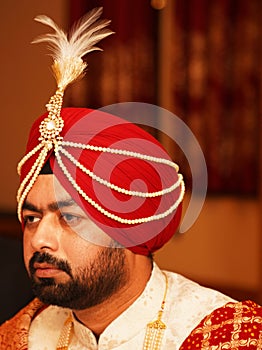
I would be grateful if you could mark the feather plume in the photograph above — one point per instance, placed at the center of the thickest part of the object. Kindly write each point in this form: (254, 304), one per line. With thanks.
(67, 50)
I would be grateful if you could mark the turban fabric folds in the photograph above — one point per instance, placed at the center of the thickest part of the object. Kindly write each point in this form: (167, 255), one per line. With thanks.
(93, 127)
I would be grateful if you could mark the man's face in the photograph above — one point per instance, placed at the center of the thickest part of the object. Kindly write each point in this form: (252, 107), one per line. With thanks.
(65, 269)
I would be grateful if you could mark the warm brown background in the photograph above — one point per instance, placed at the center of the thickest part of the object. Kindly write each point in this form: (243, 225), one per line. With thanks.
(199, 59)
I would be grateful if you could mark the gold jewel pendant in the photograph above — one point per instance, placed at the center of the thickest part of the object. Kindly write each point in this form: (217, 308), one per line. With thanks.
(154, 334)
(155, 329)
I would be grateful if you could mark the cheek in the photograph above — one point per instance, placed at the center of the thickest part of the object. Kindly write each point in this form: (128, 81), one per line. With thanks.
(75, 252)
(80, 253)
(90, 233)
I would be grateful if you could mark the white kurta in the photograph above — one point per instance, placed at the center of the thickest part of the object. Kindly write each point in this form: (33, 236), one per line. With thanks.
(187, 303)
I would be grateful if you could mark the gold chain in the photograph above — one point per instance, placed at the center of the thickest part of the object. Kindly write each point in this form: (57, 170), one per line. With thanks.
(154, 331)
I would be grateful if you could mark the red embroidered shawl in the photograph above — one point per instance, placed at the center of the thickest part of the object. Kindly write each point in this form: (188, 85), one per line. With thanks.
(233, 326)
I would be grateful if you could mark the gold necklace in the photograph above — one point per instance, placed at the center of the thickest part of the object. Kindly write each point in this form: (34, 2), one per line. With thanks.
(154, 330)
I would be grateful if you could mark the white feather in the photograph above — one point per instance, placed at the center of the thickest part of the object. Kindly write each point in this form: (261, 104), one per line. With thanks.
(68, 49)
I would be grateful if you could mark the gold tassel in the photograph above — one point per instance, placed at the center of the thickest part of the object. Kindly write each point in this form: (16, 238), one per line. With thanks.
(155, 329)
(154, 334)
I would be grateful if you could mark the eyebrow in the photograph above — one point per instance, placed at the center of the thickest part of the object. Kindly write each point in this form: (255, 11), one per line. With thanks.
(53, 206)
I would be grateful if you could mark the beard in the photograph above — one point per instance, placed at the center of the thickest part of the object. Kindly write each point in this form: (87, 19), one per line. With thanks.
(88, 286)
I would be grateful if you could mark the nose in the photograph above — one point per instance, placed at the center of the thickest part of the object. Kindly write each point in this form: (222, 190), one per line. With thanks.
(46, 235)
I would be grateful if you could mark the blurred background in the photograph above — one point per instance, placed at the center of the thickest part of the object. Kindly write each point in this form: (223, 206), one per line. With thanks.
(200, 60)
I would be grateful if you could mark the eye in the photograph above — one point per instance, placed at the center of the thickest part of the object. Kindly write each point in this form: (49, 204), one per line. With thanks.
(30, 219)
(70, 219)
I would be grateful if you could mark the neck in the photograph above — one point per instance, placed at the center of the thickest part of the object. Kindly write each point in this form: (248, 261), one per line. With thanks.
(98, 317)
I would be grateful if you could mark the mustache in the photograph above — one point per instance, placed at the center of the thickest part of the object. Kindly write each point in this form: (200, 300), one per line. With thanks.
(44, 257)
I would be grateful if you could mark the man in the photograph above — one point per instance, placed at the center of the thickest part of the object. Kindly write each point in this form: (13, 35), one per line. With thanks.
(98, 196)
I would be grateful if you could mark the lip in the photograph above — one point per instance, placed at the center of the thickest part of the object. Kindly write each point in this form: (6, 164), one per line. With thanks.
(43, 266)
(46, 270)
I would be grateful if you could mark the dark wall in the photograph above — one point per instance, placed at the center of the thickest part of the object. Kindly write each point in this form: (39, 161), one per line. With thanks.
(15, 291)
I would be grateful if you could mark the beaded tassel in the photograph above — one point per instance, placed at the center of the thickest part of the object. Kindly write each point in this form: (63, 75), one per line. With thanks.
(154, 334)
(155, 329)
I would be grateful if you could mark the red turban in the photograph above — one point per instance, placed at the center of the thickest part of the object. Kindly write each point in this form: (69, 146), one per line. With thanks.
(100, 129)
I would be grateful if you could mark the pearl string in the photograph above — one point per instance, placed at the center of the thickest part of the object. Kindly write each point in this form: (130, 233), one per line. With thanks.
(33, 174)
(115, 187)
(121, 152)
(110, 214)
(27, 156)
(36, 168)
(50, 129)
(28, 176)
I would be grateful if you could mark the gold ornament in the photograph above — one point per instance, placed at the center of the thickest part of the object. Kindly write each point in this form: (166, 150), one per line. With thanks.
(154, 331)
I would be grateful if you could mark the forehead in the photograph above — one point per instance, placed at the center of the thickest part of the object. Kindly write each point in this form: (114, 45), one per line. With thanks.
(47, 189)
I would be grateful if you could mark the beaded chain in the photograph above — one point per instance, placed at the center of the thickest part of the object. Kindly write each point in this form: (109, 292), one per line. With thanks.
(119, 189)
(50, 130)
(67, 67)
(120, 152)
(58, 148)
(153, 337)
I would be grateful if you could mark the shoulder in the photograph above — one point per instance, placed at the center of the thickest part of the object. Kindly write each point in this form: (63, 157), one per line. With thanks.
(50, 321)
(195, 295)
(236, 325)
(188, 303)
(15, 331)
